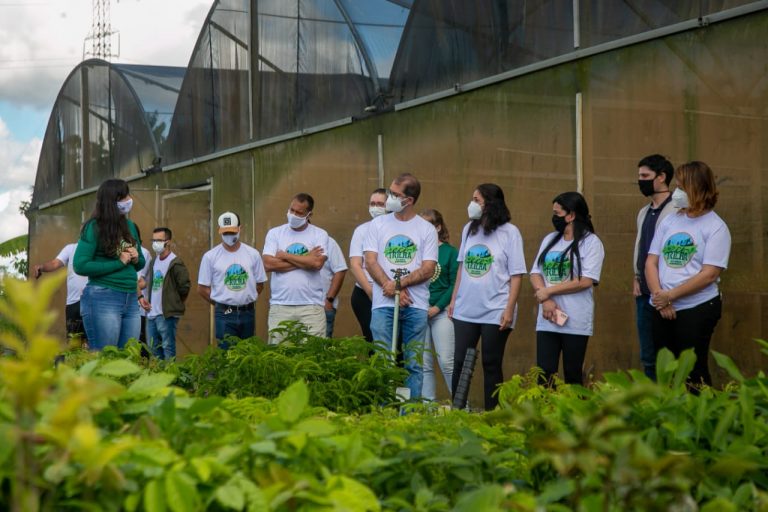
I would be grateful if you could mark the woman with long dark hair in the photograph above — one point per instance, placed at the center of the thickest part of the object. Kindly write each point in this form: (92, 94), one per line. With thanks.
(688, 253)
(108, 254)
(484, 303)
(565, 271)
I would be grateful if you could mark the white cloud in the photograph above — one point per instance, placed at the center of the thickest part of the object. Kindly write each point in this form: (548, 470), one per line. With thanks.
(43, 43)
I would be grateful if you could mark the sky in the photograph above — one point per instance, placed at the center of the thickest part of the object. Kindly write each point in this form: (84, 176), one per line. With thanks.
(42, 42)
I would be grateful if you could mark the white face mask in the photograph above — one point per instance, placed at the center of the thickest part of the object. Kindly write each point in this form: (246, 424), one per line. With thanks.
(295, 221)
(158, 247)
(125, 206)
(375, 211)
(680, 198)
(474, 210)
(395, 204)
(230, 238)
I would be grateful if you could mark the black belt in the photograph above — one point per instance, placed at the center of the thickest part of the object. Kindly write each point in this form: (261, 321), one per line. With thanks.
(245, 307)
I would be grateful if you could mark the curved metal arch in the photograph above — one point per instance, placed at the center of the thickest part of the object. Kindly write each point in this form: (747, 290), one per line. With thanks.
(362, 46)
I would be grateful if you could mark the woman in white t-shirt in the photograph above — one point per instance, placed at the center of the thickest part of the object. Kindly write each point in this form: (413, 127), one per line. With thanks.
(566, 269)
(484, 302)
(687, 255)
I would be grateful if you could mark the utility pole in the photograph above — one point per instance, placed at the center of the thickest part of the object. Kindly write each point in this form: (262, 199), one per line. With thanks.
(101, 33)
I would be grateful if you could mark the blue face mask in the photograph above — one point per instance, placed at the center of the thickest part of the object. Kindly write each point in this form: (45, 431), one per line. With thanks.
(125, 206)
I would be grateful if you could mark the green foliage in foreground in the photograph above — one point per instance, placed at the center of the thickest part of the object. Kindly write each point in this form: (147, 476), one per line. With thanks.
(116, 432)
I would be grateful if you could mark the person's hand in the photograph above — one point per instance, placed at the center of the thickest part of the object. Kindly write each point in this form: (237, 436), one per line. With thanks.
(37, 271)
(542, 295)
(125, 257)
(405, 298)
(661, 299)
(507, 317)
(432, 311)
(450, 310)
(388, 289)
(668, 312)
(328, 305)
(144, 303)
(548, 308)
(281, 255)
(134, 254)
(636, 287)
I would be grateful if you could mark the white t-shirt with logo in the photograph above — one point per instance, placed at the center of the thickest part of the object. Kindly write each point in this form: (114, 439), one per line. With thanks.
(75, 282)
(683, 245)
(579, 306)
(334, 263)
(487, 262)
(298, 287)
(401, 245)
(232, 276)
(159, 272)
(356, 248)
(143, 274)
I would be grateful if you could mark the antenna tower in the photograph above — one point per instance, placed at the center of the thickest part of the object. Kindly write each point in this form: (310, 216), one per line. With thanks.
(101, 33)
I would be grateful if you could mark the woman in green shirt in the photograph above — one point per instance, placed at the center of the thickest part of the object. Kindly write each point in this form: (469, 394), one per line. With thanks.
(108, 254)
(440, 340)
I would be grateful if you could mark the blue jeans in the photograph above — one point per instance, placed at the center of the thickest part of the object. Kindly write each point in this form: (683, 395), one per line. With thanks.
(330, 319)
(645, 335)
(161, 336)
(110, 317)
(413, 326)
(238, 323)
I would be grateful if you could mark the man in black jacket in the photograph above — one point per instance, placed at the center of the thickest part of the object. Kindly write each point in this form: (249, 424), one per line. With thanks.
(167, 289)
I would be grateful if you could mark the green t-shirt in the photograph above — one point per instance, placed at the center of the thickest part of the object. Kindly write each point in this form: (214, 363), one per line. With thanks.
(441, 287)
(106, 269)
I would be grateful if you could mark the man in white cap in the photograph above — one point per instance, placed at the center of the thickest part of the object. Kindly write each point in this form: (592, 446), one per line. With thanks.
(231, 278)
(295, 254)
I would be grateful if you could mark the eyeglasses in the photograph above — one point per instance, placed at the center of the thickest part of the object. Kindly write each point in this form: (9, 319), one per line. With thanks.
(396, 195)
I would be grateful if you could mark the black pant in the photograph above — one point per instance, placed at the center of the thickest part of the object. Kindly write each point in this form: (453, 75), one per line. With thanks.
(74, 321)
(549, 345)
(361, 305)
(493, 343)
(692, 328)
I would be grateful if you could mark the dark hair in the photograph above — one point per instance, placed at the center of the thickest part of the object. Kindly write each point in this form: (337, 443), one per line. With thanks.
(169, 234)
(698, 181)
(303, 197)
(495, 211)
(379, 191)
(412, 187)
(571, 202)
(660, 165)
(112, 225)
(436, 219)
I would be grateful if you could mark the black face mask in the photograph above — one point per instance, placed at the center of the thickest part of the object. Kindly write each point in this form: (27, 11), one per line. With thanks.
(559, 223)
(646, 187)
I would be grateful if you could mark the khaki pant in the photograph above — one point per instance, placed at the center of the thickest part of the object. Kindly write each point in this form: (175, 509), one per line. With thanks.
(312, 316)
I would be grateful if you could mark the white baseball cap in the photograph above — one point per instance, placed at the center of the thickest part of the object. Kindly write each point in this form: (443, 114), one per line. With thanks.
(229, 223)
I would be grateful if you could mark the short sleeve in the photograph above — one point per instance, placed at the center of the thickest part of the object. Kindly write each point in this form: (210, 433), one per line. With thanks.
(335, 256)
(462, 248)
(718, 248)
(270, 243)
(370, 244)
(147, 260)
(535, 269)
(258, 268)
(356, 244)
(66, 254)
(659, 236)
(516, 255)
(204, 274)
(430, 244)
(592, 258)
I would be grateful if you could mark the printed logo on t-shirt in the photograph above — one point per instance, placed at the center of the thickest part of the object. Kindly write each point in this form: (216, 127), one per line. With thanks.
(157, 281)
(478, 260)
(298, 249)
(557, 267)
(236, 277)
(400, 250)
(678, 250)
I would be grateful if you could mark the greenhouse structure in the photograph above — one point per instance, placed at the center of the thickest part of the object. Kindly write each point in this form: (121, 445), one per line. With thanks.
(337, 97)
